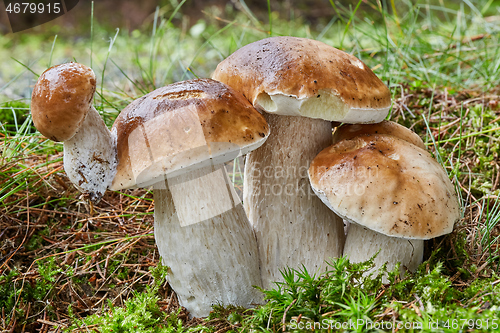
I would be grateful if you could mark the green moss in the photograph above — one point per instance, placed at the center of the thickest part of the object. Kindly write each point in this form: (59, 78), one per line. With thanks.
(15, 291)
(141, 313)
(346, 299)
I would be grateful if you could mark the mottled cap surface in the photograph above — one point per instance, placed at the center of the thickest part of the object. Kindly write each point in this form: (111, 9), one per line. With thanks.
(386, 127)
(329, 83)
(181, 125)
(61, 99)
(387, 185)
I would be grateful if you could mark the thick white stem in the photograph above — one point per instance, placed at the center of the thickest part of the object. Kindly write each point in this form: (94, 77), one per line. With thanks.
(292, 225)
(90, 157)
(362, 243)
(204, 236)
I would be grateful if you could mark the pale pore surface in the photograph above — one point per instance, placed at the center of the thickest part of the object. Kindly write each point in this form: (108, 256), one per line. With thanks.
(292, 225)
(211, 261)
(362, 243)
(90, 156)
(325, 105)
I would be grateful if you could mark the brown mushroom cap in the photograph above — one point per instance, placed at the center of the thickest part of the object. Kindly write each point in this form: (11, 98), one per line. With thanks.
(180, 125)
(61, 99)
(387, 185)
(387, 127)
(329, 83)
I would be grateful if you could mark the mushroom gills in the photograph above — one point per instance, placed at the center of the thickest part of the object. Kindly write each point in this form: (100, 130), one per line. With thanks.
(90, 157)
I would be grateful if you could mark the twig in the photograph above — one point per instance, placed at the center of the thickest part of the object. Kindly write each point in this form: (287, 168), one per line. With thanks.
(284, 314)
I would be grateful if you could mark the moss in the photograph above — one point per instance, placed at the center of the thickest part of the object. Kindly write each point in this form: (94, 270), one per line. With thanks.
(141, 313)
(424, 301)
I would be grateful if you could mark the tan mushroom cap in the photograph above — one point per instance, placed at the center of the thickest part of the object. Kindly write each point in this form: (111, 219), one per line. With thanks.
(181, 125)
(61, 99)
(387, 127)
(322, 81)
(387, 185)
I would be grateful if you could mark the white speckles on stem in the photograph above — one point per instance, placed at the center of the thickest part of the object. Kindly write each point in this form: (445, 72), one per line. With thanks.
(90, 157)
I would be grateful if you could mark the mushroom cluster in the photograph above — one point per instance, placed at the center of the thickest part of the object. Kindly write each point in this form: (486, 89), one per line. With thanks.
(376, 175)
(300, 186)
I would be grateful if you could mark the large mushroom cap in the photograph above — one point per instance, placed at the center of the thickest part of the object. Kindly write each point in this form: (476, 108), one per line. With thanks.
(61, 99)
(182, 125)
(387, 185)
(299, 76)
(386, 127)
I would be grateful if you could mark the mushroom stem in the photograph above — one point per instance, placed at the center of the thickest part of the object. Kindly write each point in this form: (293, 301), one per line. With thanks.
(292, 225)
(204, 236)
(90, 157)
(362, 243)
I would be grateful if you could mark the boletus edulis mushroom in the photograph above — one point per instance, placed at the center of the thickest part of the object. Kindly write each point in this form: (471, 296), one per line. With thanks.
(177, 138)
(395, 195)
(62, 110)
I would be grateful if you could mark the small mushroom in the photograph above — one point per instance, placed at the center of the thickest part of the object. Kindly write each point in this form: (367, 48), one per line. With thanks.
(62, 110)
(391, 190)
(177, 138)
(302, 85)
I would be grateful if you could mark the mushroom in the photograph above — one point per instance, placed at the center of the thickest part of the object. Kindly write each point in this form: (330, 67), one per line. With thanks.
(177, 138)
(302, 85)
(394, 194)
(62, 110)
